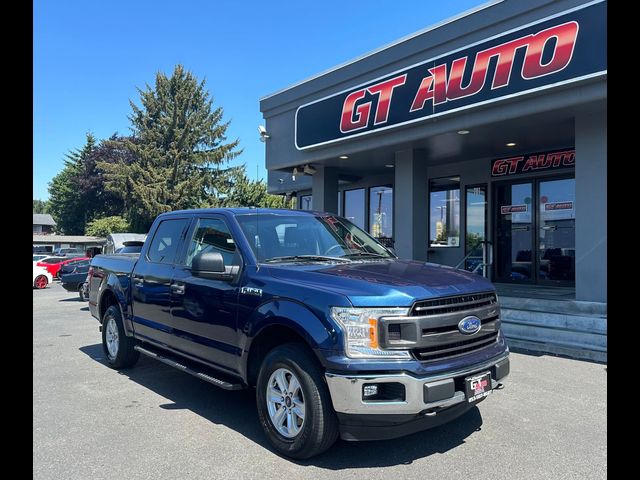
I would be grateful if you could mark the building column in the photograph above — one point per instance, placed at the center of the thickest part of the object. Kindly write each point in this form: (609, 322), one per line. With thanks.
(324, 189)
(410, 205)
(591, 205)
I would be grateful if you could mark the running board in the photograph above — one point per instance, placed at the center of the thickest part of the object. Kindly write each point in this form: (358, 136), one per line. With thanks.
(192, 368)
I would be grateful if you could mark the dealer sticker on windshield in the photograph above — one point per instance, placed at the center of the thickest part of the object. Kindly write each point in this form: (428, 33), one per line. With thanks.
(478, 386)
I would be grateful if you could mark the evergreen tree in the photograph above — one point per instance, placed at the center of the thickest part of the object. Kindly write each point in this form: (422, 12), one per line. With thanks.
(40, 206)
(103, 202)
(66, 203)
(236, 190)
(180, 139)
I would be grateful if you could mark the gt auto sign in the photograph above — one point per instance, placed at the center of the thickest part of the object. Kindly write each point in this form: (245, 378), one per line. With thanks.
(533, 162)
(565, 48)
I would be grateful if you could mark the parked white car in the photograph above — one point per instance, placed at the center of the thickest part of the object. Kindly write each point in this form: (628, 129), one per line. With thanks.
(41, 277)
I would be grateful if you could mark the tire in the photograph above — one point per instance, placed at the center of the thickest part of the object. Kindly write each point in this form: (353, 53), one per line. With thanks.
(318, 430)
(117, 347)
(40, 282)
(81, 293)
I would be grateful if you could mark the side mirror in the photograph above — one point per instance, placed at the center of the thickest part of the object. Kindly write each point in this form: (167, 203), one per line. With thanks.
(210, 265)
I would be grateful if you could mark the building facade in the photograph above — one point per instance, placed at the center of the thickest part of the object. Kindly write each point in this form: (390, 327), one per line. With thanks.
(479, 142)
(49, 243)
(43, 224)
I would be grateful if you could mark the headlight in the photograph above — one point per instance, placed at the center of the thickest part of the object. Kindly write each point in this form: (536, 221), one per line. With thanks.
(360, 327)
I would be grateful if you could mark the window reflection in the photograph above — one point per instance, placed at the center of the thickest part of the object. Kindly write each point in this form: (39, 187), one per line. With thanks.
(444, 212)
(354, 206)
(306, 202)
(476, 203)
(381, 213)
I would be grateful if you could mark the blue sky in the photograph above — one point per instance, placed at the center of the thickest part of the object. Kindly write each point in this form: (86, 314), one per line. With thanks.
(89, 58)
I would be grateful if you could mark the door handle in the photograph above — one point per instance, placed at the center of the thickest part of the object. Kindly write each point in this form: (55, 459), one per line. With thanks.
(138, 281)
(178, 289)
(550, 227)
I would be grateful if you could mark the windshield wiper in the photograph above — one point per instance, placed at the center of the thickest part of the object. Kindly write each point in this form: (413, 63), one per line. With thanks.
(367, 254)
(311, 258)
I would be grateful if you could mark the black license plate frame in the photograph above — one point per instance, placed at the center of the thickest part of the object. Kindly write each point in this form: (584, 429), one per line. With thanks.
(478, 386)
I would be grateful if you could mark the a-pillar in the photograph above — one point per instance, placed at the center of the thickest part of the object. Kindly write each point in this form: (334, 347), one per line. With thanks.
(324, 188)
(410, 205)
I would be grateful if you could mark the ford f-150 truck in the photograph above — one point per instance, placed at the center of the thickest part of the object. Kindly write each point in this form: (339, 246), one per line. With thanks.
(338, 336)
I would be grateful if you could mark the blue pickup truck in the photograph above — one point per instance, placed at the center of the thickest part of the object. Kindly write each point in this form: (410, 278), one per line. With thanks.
(338, 336)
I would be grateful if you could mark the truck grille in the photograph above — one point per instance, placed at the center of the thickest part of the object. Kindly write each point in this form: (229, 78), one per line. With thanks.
(453, 304)
(437, 336)
(455, 348)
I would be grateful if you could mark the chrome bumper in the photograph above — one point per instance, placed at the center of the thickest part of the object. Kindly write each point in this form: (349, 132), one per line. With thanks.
(346, 390)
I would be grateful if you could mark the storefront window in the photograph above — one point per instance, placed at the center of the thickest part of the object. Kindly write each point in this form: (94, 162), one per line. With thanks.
(381, 213)
(306, 202)
(354, 206)
(476, 202)
(444, 221)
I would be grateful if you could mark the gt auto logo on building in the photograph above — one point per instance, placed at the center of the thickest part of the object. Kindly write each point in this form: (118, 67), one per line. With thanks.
(440, 86)
(566, 47)
(533, 162)
(355, 118)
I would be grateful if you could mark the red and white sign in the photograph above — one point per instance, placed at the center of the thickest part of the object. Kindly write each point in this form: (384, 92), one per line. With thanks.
(533, 162)
(549, 207)
(508, 209)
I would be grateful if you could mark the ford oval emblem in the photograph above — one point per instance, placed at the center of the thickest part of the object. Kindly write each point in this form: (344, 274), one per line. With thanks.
(469, 325)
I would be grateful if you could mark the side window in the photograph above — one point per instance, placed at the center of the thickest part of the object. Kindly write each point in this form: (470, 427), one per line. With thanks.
(213, 235)
(165, 242)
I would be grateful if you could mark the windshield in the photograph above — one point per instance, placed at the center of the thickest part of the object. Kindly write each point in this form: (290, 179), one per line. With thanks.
(286, 237)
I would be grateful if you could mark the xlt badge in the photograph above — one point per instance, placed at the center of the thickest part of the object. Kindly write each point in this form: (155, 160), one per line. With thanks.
(251, 291)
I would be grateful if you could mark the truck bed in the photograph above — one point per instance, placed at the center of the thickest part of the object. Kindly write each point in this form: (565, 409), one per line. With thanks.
(117, 263)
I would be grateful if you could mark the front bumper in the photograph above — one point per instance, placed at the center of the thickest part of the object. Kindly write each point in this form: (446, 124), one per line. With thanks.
(347, 390)
(381, 420)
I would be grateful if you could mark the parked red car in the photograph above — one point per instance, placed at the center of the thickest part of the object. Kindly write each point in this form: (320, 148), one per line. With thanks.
(54, 264)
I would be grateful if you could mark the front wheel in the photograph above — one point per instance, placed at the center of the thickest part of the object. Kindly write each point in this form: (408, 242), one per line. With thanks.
(294, 405)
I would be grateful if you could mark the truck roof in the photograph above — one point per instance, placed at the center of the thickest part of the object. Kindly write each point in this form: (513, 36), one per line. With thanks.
(243, 211)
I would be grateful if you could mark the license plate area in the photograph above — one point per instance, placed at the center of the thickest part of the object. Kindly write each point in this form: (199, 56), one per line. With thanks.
(477, 386)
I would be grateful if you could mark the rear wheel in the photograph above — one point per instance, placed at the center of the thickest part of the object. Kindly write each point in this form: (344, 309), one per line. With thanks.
(117, 347)
(294, 405)
(41, 282)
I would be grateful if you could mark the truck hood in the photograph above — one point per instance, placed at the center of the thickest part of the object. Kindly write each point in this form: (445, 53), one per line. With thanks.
(384, 283)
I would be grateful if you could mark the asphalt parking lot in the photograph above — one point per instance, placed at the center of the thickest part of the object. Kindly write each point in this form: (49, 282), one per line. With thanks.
(90, 421)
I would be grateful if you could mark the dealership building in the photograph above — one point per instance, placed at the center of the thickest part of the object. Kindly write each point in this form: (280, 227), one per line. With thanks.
(479, 142)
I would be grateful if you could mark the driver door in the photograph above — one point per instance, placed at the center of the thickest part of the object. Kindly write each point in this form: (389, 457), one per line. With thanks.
(204, 310)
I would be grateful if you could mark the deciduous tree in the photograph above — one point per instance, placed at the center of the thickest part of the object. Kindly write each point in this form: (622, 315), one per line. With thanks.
(101, 227)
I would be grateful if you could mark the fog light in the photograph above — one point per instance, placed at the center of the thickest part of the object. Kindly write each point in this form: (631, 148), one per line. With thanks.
(383, 392)
(370, 390)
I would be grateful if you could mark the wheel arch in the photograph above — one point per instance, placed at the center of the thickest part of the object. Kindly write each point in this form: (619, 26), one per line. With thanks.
(268, 338)
(279, 321)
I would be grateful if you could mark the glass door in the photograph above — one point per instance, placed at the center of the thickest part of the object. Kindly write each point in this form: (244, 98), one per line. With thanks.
(514, 239)
(556, 231)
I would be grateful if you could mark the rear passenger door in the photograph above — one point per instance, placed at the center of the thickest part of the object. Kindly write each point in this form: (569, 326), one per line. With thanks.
(151, 278)
(204, 309)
